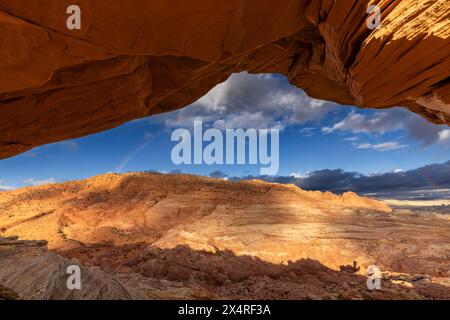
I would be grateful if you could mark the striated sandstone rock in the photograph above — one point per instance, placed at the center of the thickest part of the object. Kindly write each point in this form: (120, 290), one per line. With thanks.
(181, 236)
(135, 58)
(7, 294)
(155, 208)
(29, 271)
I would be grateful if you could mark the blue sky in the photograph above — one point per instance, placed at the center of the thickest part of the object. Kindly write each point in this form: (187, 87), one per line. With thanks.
(314, 135)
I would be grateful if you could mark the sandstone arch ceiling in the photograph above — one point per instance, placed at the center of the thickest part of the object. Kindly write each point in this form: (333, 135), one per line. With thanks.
(135, 58)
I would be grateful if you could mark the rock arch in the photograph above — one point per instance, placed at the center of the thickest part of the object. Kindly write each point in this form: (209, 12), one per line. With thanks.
(133, 58)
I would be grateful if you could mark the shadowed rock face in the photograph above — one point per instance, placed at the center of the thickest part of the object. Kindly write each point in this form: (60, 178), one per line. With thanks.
(133, 58)
(29, 271)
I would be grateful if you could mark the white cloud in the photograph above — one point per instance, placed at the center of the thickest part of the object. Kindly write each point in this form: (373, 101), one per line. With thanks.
(381, 122)
(298, 175)
(252, 101)
(444, 136)
(308, 131)
(34, 182)
(364, 146)
(385, 146)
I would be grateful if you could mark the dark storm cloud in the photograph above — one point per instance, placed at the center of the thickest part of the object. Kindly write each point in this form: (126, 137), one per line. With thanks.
(431, 176)
(218, 174)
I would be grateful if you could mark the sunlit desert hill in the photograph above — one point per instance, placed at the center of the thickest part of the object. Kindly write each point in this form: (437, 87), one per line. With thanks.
(153, 236)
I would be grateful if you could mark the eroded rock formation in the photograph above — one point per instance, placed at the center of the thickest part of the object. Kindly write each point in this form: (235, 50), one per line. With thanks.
(29, 271)
(181, 236)
(133, 58)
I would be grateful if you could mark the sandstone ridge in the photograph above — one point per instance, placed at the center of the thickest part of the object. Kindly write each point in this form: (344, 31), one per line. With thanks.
(181, 236)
